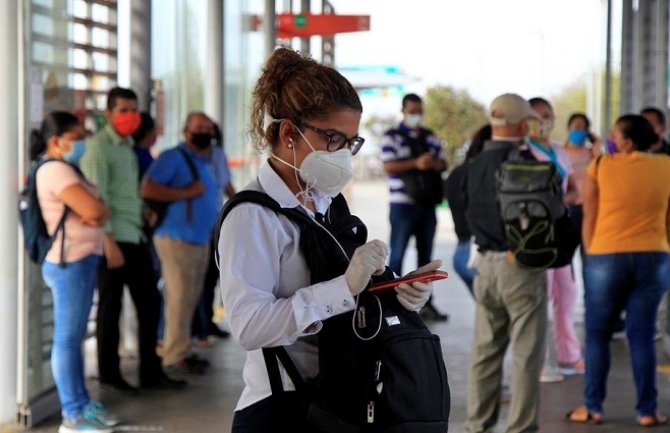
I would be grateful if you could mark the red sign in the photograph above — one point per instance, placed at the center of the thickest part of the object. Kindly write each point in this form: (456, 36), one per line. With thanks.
(306, 25)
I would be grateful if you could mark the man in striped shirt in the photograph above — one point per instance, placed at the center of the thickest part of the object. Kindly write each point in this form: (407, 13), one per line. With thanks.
(413, 159)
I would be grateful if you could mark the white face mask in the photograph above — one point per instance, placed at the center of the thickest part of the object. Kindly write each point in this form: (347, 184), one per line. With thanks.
(413, 120)
(328, 172)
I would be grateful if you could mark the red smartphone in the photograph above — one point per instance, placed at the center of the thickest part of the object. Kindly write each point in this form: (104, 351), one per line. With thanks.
(425, 277)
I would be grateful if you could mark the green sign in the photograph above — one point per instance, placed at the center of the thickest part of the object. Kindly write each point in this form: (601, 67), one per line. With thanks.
(300, 21)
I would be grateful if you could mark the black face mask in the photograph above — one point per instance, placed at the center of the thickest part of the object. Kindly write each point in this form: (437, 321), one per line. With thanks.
(201, 140)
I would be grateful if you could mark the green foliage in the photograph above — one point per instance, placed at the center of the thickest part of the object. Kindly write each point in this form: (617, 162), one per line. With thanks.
(572, 99)
(454, 115)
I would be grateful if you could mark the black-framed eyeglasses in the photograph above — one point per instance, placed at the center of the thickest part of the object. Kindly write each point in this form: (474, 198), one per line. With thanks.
(336, 139)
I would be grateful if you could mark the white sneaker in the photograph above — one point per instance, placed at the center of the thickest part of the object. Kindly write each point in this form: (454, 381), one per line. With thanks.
(81, 424)
(551, 375)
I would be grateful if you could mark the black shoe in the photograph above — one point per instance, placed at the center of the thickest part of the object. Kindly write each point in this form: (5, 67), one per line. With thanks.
(218, 332)
(163, 382)
(430, 313)
(183, 367)
(193, 360)
(120, 385)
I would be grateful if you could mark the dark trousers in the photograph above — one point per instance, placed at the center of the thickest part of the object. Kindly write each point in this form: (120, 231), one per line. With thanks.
(139, 276)
(407, 220)
(271, 416)
(204, 312)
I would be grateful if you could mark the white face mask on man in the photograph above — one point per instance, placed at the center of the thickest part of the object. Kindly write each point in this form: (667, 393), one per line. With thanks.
(327, 172)
(413, 120)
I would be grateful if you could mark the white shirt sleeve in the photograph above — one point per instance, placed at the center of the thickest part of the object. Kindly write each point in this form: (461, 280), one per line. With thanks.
(265, 281)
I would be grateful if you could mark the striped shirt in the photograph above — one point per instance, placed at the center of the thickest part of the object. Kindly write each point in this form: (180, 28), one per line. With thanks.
(110, 164)
(395, 148)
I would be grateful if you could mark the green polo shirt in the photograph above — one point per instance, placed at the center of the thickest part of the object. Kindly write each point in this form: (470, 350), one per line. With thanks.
(110, 163)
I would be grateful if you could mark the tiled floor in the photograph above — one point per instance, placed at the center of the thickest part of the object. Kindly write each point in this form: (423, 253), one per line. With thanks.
(206, 405)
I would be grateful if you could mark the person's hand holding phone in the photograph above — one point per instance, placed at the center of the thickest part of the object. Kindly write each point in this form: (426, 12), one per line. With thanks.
(368, 260)
(415, 295)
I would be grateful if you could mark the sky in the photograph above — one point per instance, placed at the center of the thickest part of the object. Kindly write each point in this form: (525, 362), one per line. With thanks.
(488, 47)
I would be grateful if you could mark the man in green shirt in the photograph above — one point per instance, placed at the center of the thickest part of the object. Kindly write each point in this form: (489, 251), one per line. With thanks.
(110, 164)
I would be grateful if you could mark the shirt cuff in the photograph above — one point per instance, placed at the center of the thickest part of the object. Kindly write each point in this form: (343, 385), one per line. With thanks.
(319, 302)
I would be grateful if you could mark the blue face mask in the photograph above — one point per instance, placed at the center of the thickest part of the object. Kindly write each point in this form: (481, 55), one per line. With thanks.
(577, 137)
(77, 149)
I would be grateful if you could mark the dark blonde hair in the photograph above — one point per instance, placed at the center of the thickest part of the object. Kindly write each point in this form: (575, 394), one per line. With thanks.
(295, 87)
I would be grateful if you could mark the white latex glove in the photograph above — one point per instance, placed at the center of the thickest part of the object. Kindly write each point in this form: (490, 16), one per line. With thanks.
(368, 260)
(414, 296)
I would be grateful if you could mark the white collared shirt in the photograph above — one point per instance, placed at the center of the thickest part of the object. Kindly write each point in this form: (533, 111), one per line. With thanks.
(265, 285)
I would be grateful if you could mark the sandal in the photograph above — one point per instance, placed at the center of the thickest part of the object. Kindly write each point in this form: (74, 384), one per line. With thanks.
(582, 415)
(652, 420)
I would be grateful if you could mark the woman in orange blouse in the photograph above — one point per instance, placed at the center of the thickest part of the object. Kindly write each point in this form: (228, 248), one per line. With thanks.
(625, 233)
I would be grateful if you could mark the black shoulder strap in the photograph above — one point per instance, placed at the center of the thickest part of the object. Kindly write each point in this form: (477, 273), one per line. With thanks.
(191, 164)
(260, 198)
(417, 144)
(271, 355)
(60, 227)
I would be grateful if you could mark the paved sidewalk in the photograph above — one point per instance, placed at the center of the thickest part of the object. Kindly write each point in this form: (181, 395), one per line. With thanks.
(206, 405)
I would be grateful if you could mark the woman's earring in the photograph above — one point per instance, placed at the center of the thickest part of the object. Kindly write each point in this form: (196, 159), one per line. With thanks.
(290, 143)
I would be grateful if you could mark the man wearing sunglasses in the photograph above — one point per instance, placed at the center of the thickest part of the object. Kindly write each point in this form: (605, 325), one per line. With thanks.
(413, 159)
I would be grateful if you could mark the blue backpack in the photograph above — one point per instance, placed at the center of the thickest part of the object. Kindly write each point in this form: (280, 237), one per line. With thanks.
(36, 238)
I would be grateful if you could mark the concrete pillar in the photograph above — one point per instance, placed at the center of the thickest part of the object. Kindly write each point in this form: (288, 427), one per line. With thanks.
(140, 51)
(644, 56)
(628, 59)
(11, 69)
(662, 17)
(214, 75)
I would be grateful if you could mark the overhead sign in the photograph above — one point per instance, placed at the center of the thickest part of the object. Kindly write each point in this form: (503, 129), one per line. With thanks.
(306, 25)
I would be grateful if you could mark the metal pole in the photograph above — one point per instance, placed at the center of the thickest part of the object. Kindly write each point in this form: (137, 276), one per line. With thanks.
(214, 75)
(608, 74)
(10, 74)
(140, 51)
(305, 8)
(270, 27)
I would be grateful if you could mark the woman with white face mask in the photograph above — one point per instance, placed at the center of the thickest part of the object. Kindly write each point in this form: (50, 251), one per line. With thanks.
(306, 117)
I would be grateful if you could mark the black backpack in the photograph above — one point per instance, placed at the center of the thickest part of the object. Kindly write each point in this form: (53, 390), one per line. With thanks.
(377, 372)
(536, 219)
(160, 207)
(37, 240)
(422, 186)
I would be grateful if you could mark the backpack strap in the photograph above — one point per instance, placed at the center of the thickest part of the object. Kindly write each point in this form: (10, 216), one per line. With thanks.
(273, 354)
(417, 144)
(60, 227)
(195, 176)
(260, 198)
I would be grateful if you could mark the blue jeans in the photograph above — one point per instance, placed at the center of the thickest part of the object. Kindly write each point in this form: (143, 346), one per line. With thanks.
(634, 283)
(419, 221)
(461, 258)
(72, 287)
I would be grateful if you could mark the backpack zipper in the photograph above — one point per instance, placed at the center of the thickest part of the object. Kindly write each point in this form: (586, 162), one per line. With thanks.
(371, 412)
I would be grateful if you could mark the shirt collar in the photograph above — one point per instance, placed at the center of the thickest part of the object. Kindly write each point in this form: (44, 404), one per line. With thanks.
(275, 187)
(497, 144)
(116, 138)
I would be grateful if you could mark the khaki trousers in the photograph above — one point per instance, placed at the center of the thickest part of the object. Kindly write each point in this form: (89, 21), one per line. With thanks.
(183, 266)
(511, 308)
